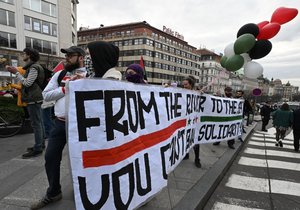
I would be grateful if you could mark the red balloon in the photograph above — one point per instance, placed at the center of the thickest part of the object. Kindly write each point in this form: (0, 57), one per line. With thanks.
(283, 15)
(262, 24)
(268, 31)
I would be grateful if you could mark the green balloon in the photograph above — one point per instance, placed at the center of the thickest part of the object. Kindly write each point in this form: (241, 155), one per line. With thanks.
(223, 61)
(234, 63)
(244, 43)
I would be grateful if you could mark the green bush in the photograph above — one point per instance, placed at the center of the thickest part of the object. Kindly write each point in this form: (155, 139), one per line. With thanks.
(11, 104)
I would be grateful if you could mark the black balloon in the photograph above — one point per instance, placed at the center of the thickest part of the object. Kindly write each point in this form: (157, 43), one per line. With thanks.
(250, 28)
(261, 49)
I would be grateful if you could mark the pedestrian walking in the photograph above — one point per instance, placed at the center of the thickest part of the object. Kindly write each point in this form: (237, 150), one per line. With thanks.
(189, 83)
(282, 120)
(265, 113)
(296, 128)
(32, 95)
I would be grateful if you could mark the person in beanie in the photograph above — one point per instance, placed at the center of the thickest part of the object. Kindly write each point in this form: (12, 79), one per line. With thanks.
(105, 58)
(135, 74)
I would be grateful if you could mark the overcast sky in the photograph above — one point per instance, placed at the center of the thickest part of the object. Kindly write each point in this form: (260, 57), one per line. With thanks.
(211, 24)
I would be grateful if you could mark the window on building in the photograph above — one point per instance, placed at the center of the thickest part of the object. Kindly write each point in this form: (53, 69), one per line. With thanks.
(46, 47)
(42, 46)
(8, 1)
(11, 18)
(28, 42)
(53, 10)
(36, 25)
(45, 27)
(8, 40)
(7, 18)
(35, 5)
(3, 18)
(45, 8)
(4, 39)
(54, 29)
(27, 23)
(40, 6)
(12, 41)
(26, 4)
(53, 48)
(37, 44)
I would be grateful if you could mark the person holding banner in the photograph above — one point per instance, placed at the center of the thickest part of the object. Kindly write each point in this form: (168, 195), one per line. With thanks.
(105, 58)
(55, 91)
(135, 74)
(189, 83)
(228, 94)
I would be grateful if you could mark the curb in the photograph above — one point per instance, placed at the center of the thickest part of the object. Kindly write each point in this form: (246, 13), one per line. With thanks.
(199, 194)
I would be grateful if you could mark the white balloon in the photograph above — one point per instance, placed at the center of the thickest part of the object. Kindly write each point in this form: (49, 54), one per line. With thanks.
(246, 58)
(229, 51)
(253, 70)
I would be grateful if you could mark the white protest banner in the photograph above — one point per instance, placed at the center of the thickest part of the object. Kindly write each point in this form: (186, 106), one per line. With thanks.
(124, 139)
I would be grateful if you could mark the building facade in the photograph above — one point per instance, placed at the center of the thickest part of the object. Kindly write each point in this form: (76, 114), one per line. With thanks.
(167, 57)
(213, 76)
(45, 26)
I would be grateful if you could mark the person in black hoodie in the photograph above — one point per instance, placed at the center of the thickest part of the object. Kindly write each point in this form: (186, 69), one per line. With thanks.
(265, 113)
(105, 58)
(296, 129)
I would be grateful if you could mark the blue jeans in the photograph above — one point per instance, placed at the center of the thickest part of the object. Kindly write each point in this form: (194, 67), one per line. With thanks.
(35, 114)
(48, 120)
(53, 156)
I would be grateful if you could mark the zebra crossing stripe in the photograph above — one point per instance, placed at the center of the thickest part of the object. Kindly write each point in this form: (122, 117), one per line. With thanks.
(270, 139)
(272, 153)
(248, 183)
(261, 185)
(268, 144)
(271, 163)
(225, 206)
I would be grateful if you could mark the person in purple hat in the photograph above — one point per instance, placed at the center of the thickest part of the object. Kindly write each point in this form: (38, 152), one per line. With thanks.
(135, 74)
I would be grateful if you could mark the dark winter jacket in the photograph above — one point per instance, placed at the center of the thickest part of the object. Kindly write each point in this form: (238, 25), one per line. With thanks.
(33, 93)
(296, 120)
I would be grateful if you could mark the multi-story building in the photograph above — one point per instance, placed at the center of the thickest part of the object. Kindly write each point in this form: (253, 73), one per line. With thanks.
(43, 25)
(167, 57)
(213, 76)
(285, 92)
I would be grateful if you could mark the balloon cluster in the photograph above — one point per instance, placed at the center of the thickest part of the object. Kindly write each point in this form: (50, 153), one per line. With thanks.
(253, 43)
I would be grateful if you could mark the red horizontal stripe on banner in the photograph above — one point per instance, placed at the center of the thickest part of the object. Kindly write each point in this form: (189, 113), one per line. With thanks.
(96, 158)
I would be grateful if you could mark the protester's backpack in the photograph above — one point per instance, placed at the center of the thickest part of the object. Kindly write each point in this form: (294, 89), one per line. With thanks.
(47, 77)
